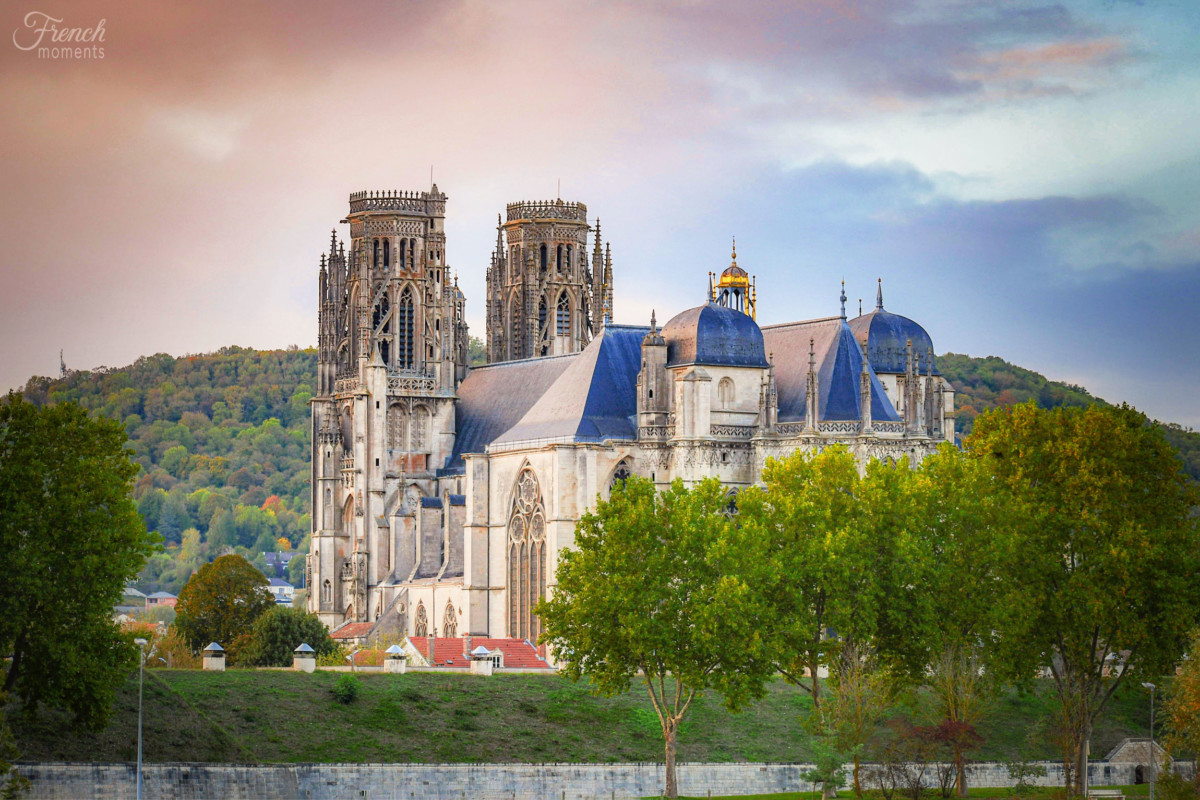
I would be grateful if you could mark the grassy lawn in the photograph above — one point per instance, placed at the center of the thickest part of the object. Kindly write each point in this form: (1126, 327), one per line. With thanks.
(249, 716)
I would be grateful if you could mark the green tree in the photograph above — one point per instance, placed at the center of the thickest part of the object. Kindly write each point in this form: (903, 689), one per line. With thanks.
(476, 352)
(1100, 557)
(653, 587)
(71, 538)
(221, 601)
(861, 694)
(958, 516)
(832, 552)
(278, 632)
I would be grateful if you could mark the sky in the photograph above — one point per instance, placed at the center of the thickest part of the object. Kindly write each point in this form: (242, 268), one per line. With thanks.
(1024, 177)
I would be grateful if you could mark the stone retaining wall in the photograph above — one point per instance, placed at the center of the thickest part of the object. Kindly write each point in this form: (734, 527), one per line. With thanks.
(62, 781)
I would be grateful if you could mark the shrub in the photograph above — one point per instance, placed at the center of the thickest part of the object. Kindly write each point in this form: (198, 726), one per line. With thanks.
(346, 689)
(278, 632)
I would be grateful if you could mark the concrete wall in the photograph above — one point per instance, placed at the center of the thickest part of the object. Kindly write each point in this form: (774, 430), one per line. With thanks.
(59, 781)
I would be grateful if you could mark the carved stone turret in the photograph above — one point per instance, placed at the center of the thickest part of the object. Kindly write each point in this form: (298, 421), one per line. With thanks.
(543, 298)
(652, 385)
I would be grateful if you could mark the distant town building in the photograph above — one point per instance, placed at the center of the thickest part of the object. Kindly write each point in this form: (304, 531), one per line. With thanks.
(282, 591)
(161, 599)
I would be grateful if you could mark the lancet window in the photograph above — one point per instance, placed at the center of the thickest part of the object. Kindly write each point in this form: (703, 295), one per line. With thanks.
(563, 321)
(449, 622)
(405, 324)
(421, 623)
(526, 557)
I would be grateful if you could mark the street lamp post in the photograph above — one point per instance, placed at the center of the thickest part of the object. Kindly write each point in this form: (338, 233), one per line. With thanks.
(1153, 755)
(141, 643)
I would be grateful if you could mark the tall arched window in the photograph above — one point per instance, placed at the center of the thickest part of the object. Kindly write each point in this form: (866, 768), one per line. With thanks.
(725, 393)
(405, 322)
(402, 247)
(568, 261)
(420, 425)
(542, 258)
(558, 262)
(397, 427)
(375, 256)
(526, 557)
(421, 623)
(326, 593)
(381, 324)
(387, 253)
(449, 622)
(563, 320)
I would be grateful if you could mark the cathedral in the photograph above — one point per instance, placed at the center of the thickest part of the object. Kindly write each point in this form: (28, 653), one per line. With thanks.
(443, 493)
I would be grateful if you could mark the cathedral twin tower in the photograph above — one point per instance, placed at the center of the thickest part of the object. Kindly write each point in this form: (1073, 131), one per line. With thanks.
(392, 352)
(543, 298)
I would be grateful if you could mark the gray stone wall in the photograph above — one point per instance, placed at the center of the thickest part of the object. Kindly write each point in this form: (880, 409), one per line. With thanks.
(59, 781)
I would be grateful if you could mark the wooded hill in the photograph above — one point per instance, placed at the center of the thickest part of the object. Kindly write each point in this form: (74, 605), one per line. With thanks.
(223, 442)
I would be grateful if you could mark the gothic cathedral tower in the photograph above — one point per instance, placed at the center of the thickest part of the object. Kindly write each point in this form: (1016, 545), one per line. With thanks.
(543, 298)
(392, 350)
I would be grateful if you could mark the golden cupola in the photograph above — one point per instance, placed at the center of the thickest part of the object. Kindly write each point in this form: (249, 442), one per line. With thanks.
(734, 288)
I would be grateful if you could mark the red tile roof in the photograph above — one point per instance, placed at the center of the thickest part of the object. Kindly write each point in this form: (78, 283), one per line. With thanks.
(352, 630)
(518, 653)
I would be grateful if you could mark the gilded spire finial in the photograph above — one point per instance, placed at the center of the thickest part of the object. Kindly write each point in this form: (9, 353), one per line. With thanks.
(843, 296)
(733, 254)
(879, 295)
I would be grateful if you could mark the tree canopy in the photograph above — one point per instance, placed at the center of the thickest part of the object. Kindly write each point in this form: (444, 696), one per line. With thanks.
(1099, 559)
(276, 634)
(221, 601)
(654, 585)
(71, 538)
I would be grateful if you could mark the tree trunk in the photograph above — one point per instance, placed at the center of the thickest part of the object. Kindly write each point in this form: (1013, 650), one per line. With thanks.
(669, 731)
(1081, 755)
(857, 764)
(960, 779)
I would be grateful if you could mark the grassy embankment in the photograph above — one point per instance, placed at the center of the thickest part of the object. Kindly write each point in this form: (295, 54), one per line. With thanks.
(279, 716)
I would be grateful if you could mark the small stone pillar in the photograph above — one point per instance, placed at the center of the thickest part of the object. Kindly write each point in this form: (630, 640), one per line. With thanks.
(304, 658)
(214, 657)
(395, 660)
(481, 661)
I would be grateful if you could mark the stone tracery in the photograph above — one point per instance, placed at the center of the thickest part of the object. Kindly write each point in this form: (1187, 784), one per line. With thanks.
(526, 556)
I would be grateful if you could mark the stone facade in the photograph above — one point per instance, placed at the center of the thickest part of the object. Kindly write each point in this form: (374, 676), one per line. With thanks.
(443, 497)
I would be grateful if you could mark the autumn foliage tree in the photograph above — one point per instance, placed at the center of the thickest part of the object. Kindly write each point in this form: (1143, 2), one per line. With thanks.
(221, 601)
(1183, 708)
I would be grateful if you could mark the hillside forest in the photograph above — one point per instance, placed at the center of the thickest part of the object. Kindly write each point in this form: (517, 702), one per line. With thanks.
(223, 441)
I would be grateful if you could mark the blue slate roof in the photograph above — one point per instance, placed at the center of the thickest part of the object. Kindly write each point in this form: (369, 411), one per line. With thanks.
(887, 335)
(839, 364)
(431, 502)
(714, 335)
(594, 398)
(493, 398)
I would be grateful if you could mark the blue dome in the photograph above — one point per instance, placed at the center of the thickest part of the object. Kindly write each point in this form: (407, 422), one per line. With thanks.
(887, 336)
(716, 336)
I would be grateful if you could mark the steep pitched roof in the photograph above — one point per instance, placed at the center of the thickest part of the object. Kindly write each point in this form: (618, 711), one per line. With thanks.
(594, 398)
(839, 363)
(492, 399)
(352, 630)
